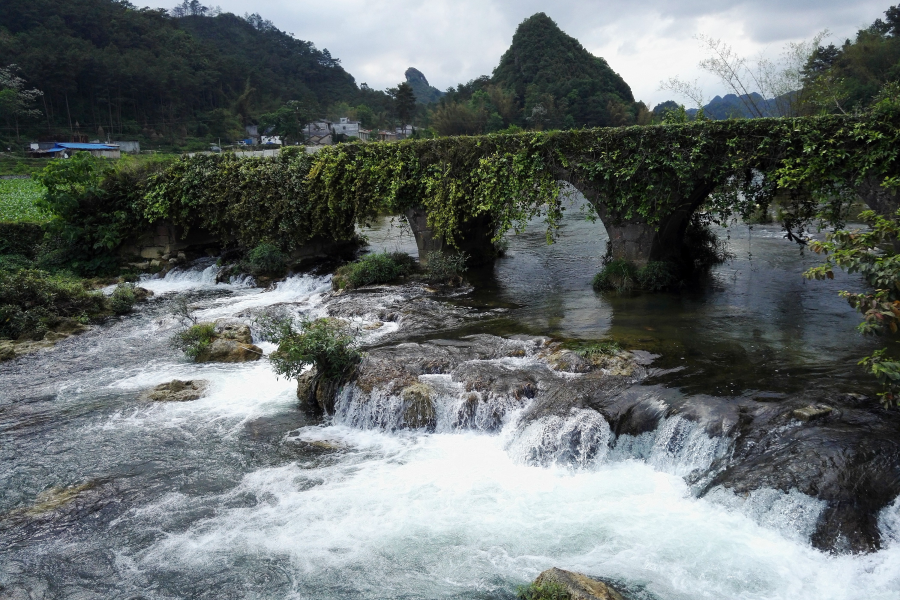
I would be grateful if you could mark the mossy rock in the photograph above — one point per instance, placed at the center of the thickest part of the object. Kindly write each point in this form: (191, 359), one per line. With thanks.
(418, 411)
(224, 350)
(577, 586)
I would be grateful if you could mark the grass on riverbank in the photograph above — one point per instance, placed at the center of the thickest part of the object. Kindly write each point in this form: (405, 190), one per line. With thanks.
(13, 164)
(17, 201)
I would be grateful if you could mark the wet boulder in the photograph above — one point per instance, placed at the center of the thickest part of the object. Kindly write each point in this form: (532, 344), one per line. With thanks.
(233, 343)
(317, 394)
(229, 330)
(811, 412)
(418, 411)
(142, 294)
(229, 351)
(177, 391)
(568, 362)
(576, 585)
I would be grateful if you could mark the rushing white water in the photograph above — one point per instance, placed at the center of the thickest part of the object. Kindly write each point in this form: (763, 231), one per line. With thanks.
(462, 513)
(449, 515)
(363, 508)
(181, 280)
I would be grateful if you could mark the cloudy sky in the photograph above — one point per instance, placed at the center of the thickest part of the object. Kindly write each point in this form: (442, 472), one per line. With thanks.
(453, 41)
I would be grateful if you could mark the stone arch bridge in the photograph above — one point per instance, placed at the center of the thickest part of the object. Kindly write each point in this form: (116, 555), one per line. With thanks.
(644, 183)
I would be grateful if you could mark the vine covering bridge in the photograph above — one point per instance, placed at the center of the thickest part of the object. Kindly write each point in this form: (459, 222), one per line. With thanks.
(644, 183)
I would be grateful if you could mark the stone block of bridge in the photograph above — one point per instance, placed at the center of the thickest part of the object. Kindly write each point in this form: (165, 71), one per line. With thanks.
(474, 238)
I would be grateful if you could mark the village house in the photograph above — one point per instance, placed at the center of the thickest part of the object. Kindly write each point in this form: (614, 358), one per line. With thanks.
(67, 149)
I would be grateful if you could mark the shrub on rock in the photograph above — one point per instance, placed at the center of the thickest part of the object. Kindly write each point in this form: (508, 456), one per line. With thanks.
(379, 267)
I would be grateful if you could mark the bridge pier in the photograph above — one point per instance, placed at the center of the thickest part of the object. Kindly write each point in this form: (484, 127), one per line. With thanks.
(882, 200)
(639, 243)
(474, 239)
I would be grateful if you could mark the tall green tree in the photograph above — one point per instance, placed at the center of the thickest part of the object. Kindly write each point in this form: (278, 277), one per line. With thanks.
(405, 103)
(841, 79)
(288, 121)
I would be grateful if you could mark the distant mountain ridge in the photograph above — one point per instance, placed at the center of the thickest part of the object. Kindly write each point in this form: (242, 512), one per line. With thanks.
(732, 106)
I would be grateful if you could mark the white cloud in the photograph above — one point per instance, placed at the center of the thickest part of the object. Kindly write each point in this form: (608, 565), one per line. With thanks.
(453, 41)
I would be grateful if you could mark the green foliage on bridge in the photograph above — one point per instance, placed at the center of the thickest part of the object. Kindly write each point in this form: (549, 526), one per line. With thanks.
(630, 174)
(250, 201)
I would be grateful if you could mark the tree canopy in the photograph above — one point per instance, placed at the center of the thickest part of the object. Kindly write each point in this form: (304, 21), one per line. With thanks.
(149, 73)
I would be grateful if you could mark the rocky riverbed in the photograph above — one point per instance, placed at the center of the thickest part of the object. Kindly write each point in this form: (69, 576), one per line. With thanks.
(485, 437)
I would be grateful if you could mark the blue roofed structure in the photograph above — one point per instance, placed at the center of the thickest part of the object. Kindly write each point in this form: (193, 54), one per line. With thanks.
(74, 146)
(66, 149)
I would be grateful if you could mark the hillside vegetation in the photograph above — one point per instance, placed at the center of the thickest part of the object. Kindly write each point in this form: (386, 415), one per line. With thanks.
(545, 80)
(108, 68)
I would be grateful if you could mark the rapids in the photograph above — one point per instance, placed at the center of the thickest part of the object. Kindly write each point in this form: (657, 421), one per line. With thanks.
(240, 494)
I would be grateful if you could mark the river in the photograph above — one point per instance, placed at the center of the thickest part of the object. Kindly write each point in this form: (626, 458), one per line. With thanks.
(240, 494)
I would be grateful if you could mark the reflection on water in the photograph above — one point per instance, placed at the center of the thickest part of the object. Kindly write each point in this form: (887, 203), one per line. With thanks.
(755, 324)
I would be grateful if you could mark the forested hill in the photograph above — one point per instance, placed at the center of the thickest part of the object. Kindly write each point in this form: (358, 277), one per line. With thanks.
(107, 64)
(544, 64)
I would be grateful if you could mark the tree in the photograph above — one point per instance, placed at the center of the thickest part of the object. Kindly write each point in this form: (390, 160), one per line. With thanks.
(404, 103)
(874, 254)
(192, 8)
(839, 80)
(289, 121)
(16, 101)
(223, 124)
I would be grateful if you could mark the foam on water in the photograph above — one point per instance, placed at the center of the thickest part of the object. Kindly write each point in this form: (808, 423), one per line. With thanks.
(889, 524)
(678, 446)
(235, 393)
(454, 406)
(579, 440)
(452, 515)
(181, 280)
(303, 292)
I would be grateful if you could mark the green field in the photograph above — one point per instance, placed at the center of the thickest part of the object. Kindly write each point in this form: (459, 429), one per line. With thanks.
(17, 201)
(14, 164)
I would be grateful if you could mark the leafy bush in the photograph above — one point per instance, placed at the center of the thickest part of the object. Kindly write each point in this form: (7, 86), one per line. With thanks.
(14, 262)
(122, 299)
(326, 344)
(32, 301)
(195, 339)
(703, 247)
(379, 267)
(657, 276)
(549, 590)
(619, 275)
(93, 208)
(265, 259)
(604, 348)
(622, 276)
(20, 238)
(444, 266)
